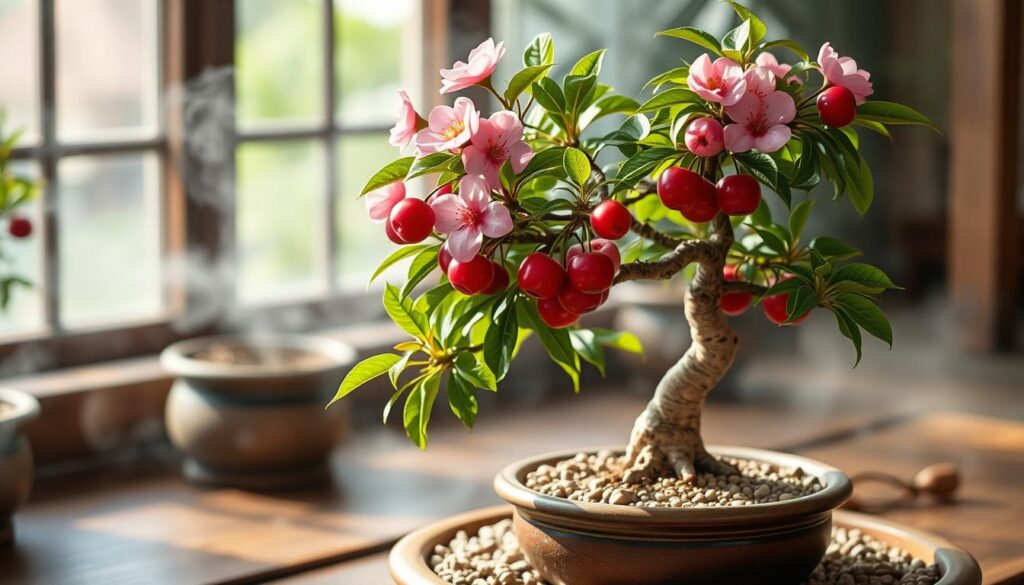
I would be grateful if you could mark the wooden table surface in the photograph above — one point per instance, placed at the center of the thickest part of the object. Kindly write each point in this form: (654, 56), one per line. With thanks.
(146, 525)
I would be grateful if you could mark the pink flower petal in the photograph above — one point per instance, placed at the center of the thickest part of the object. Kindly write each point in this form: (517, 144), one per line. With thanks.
(497, 221)
(379, 202)
(737, 138)
(447, 212)
(775, 138)
(520, 155)
(779, 108)
(474, 159)
(474, 192)
(464, 244)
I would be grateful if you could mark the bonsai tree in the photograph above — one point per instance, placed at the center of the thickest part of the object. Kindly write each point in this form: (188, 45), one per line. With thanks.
(530, 230)
(15, 191)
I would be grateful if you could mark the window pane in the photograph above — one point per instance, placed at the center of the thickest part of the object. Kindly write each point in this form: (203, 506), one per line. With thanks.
(368, 58)
(109, 222)
(279, 54)
(107, 72)
(23, 259)
(361, 243)
(280, 219)
(19, 92)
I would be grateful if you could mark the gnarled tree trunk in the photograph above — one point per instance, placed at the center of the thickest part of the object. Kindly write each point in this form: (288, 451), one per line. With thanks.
(668, 431)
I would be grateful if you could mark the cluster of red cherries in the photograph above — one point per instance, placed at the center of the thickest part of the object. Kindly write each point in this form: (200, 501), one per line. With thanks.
(699, 200)
(19, 227)
(734, 304)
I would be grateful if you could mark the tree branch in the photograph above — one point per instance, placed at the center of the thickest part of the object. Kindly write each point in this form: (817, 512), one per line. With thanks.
(671, 263)
(648, 232)
(742, 286)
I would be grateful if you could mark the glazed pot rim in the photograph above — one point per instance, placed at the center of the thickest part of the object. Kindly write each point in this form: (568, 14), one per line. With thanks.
(408, 558)
(510, 485)
(25, 407)
(177, 360)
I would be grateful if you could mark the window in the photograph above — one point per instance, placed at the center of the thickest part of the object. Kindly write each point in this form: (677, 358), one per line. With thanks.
(95, 91)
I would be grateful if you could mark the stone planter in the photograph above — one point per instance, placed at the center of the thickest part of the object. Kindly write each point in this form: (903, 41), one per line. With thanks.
(582, 543)
(408, 560)
(16, 409)
(249, 411)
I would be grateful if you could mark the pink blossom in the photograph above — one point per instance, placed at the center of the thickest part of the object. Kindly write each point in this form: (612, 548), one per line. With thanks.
(760, 122)
(760, 81)
(379, 202)
(843, 71)
(704, 137)
(498, 139)
(482, 62)
(720, 82)
(449, 128)
(469, 216)
(408, 121)
(769, 62)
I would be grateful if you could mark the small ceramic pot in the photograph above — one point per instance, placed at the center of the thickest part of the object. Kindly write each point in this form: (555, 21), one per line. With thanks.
(256, 425)
(408, 559)
(582, 543)
(16, 409)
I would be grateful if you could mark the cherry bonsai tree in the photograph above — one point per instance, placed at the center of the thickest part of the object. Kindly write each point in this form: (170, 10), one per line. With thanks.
(15, 191)
(530, 231)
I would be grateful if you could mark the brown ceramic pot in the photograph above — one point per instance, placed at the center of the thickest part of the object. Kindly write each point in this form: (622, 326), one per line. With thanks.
(408, 560)
(259, 425)
(579, 543)
(16, 409)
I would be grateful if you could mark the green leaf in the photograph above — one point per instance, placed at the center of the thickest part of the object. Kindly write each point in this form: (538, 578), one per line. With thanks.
(864, 274)
(606, 106)
(395, 371)
(590, 64)
(757, 27)
(669, 97)
(524, 79)
(421, 267)
(418, 405)
(430, 300)
(771, 240)
(400, 309)
(830, 247)
(677, 75)
(800, 302)
(695, 36)
(365, 371)
(850, 331)
(578, 92)
(860, 184)
(622, 340)
(760, 165)
(866, 314)
(577, 165)
(397, 256)
(431, 163)
(475, 372)
(394, 171)
(893, 113)
(462, 400)
(555, 341)
(540, 51)
(500, 340)
(642, 164)
(738, 39)
(788, 44)
(798, 218)
(585, 343)
(549, 96)
(875, 127)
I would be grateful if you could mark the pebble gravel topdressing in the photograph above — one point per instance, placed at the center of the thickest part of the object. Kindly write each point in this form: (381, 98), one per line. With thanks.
(492, 557)
(598, 478)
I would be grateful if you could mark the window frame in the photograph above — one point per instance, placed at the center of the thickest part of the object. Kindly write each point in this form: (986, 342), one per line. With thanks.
(195, 35)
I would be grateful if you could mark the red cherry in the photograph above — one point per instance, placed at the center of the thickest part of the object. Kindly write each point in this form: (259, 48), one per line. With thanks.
(444, 190)
(591, 272)
(734, 304)
(606, 247)
(540, 276)
(390, 231)
(578, 302)
(837, 106)
(610, 219)
(775, 308)
(412, 219)
(500, 280)
(556, 316)
(738, 194)
(20, 227)
(471, 277)
(688, 193)
(444, 259)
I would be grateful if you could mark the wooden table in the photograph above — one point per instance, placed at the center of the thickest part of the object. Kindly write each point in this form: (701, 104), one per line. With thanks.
(146, 525)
